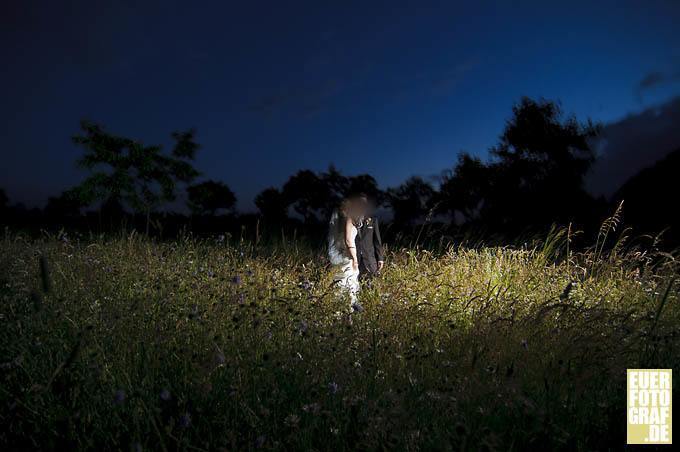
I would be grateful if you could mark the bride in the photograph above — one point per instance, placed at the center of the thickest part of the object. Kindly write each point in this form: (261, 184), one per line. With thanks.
(342, 250)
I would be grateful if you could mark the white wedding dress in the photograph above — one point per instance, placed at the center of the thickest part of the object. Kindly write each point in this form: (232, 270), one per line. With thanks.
(346, 277)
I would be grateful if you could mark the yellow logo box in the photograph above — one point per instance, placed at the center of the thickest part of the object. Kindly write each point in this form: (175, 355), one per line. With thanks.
(650, 407)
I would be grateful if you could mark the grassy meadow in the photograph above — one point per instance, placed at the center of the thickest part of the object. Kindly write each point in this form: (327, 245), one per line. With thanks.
(125, 343)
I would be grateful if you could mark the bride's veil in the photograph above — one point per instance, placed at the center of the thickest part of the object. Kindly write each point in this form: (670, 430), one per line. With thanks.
(336, 239)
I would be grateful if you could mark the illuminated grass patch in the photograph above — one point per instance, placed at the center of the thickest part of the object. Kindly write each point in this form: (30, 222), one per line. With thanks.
(119, 343)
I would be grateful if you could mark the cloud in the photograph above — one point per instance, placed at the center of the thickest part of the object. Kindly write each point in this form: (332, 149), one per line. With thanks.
(651, 79)
(633, 143)
(655, 79)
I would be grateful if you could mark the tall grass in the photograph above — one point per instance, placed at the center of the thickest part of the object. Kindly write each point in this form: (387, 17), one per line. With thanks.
(119, 343)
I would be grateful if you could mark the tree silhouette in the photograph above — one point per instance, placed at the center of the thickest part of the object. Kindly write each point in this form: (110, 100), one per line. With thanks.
(647, 195)
(339, 187)
(272, 205)
(126, 172)
(539, 166)
(65, 205)
(366, 184)
(535, 175)
(336, 187)
(411, 201)
(464, 189)
(4, 200)
(309, 194)
(314, 196)
(209, 196)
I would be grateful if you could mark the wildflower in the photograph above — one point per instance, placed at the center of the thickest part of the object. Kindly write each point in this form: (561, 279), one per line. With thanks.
(302, 328)
(292, 421)
(219, 358)
(306, 285)
(434, 395)
(185, 420)
(259, 441)
(333, 387)
(165, 395)
(236, 280)
(312, 408)
(119, 396)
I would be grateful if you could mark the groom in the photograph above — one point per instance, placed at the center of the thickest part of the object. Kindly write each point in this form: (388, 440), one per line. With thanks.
(369, 245)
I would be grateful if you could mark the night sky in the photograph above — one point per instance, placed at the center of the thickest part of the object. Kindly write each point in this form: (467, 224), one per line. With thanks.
(372, 87)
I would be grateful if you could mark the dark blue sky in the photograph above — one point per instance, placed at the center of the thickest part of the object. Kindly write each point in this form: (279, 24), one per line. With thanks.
(378, 87)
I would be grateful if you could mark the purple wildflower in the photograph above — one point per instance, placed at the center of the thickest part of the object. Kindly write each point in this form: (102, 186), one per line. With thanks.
(165, 395)
(312, 408)
(259, 441)
(119, 396)
(220, 358)
(185, 420)
(306, 285)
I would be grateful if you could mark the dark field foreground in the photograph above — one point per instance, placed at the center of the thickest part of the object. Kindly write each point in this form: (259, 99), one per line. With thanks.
(202, 345)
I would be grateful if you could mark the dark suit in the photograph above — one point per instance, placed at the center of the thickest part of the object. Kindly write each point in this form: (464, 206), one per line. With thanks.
(369, 247)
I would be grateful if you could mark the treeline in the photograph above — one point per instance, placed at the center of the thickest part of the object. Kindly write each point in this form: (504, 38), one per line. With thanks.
(534, 178)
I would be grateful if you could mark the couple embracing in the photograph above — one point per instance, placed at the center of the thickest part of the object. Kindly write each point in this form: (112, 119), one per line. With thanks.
(354, 245)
